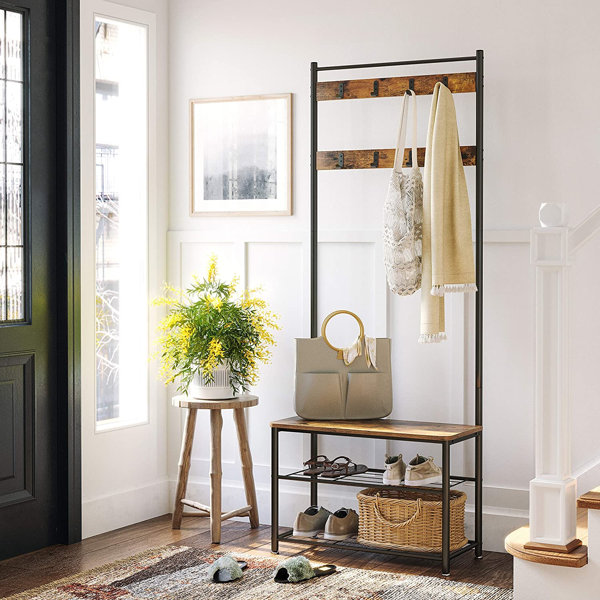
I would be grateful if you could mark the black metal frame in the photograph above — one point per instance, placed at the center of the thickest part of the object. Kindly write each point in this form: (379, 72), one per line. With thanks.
(366, 480)
(478, 479)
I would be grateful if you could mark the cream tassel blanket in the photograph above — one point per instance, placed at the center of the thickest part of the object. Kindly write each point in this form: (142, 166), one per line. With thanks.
(447, 241)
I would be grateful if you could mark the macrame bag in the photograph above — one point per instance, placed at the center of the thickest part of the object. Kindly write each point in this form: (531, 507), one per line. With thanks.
(403, 213)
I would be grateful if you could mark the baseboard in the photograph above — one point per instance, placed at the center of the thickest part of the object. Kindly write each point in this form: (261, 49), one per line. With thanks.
(498, 522)
(126, 507)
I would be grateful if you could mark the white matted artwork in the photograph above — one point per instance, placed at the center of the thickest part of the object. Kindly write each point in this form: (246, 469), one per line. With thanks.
(241, 155)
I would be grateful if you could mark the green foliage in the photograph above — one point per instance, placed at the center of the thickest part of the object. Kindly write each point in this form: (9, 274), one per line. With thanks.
(211, 324)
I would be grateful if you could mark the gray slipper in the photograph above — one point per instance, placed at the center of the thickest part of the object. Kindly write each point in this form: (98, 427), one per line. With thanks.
(298, 568)
(226, 568)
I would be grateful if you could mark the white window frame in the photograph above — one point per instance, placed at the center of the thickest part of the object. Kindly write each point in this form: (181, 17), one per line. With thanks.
(116, 12)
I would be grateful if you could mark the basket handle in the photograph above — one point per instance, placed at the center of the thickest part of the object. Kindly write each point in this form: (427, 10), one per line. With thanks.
(391, 523)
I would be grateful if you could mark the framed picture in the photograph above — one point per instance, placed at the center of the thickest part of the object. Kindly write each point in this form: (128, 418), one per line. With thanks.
(241, 155)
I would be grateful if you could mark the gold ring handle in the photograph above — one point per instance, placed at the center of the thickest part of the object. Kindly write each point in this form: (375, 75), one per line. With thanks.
(333, 314)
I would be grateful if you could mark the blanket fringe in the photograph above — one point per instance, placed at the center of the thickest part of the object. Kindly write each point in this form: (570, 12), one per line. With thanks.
(440, 290)
(432, 338)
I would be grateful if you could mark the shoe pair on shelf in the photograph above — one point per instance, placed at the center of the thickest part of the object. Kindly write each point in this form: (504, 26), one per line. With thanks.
(341, 524)
(332, 469)
(419, 471)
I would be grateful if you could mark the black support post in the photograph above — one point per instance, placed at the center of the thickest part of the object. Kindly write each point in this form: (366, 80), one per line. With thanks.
(478, 499)
(479, 304)
(314, 206)
(445, 508)
(274, 490)
(314, 451)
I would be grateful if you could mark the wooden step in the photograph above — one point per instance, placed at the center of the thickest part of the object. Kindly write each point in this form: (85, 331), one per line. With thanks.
(516, 541)
(590, 500)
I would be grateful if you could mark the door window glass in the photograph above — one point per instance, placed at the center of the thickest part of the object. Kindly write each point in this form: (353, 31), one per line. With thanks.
(12, 202)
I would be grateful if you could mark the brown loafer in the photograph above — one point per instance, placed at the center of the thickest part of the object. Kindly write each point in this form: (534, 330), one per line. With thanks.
(342, 524)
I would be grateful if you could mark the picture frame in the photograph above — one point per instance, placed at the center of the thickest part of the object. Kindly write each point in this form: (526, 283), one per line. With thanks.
(241, 155)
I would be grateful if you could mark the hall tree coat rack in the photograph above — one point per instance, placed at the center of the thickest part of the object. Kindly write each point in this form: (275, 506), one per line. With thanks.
(440, 433)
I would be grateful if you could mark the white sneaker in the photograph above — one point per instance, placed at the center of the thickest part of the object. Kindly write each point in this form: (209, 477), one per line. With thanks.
(394, 470)
(422, 471)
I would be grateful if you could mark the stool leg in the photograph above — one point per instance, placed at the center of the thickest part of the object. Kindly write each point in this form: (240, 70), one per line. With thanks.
(246, 456)
(184, 465)
(216, 424)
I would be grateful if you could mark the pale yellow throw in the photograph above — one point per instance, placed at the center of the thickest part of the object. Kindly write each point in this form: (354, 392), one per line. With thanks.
(448, 264)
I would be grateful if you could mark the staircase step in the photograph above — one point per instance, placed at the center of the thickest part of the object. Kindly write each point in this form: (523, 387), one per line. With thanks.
(515, 545)
(590, 500)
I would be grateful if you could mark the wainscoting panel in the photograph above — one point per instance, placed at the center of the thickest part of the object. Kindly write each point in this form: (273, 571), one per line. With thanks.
(16, 428)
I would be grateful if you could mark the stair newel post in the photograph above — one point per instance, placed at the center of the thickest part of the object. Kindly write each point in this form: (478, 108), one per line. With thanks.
(553, 492)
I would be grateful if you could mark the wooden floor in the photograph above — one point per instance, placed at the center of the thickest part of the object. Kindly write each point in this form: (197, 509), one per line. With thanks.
(35, 569)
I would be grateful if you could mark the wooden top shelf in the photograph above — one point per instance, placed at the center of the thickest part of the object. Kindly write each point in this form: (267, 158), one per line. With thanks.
(383, 428)
(386, 87)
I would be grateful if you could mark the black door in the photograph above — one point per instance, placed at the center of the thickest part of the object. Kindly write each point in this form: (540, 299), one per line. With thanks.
(31, 309)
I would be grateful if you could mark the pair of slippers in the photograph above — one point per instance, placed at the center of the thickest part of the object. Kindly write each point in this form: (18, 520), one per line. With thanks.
(292, 570)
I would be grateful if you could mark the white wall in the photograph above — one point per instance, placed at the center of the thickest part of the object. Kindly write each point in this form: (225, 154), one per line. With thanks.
(533, 117)
(124, 471)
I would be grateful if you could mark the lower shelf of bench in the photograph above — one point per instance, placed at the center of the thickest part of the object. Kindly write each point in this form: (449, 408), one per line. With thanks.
(353, 545)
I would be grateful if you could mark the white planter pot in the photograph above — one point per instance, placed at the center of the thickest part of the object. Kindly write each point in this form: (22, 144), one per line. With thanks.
(219, 389)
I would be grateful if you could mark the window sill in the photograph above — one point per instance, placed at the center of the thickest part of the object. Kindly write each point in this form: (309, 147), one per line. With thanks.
(116, 424)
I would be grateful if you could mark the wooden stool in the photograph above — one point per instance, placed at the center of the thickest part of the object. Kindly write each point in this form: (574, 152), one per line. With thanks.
(216, 424)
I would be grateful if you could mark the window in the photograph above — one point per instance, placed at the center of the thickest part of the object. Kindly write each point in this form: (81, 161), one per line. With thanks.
(121, 218)
(12, 205)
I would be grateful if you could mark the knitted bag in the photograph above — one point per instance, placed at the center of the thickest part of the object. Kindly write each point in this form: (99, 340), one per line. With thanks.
(403, 214)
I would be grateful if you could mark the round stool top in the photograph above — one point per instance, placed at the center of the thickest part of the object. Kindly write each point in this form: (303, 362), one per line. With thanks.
(243, 401)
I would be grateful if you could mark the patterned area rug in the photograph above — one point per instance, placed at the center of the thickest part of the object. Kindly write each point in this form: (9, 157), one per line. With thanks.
(179, 573)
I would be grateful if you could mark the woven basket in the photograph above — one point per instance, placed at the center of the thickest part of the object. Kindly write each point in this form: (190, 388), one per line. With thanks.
(410, 519)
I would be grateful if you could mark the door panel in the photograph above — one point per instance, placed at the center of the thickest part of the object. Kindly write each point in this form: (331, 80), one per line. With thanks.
(29, 502)
(16, 429)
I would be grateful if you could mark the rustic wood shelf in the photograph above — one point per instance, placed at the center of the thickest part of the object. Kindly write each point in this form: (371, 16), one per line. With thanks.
(377, 158)
(389, 429)
(385, 87)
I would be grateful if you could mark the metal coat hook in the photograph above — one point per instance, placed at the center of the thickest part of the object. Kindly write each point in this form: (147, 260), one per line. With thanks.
(445, 80)
(375, 162)
(340, 93)
(375, 91)
(410, 162)
(411, 84)
(340, 162)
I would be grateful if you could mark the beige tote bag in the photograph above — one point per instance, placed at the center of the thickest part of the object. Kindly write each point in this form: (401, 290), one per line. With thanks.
(329, 389)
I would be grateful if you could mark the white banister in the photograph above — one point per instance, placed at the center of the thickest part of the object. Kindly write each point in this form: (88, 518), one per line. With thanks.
(586, 230)
(553, 491)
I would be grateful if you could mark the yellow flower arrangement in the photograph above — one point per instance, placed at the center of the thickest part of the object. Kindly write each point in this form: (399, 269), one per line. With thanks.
(210, 324)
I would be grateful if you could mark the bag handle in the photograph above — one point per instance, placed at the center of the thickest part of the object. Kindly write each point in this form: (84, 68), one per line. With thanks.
(402, 523)
(329, 317)
(401, 143)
